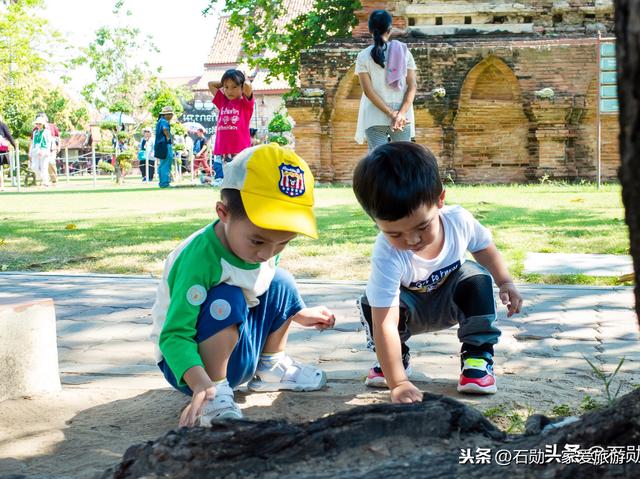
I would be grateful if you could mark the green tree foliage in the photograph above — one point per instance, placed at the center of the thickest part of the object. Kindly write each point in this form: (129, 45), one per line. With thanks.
(116, 56)
(26, 51)
(271, 40)
(161, 95)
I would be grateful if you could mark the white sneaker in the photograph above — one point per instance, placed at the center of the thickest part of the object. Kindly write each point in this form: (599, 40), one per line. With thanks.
(222, 407)
(287, 375)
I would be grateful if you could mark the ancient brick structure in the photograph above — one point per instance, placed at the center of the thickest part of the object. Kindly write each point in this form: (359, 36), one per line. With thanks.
(521, 85)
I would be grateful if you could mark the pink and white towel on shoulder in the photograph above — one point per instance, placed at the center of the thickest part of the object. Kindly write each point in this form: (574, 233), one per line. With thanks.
(397, 65)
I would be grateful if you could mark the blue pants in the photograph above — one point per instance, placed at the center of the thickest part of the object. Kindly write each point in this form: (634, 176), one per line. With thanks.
(164, 170)
(281, 301)
(217, 168)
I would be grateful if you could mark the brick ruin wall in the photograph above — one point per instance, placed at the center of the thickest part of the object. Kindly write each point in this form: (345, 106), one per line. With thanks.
(490, 127)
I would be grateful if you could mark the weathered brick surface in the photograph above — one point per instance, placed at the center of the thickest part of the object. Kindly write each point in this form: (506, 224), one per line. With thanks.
(490, 126)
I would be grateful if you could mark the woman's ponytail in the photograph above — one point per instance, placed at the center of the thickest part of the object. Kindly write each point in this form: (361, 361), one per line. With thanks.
(379, 24)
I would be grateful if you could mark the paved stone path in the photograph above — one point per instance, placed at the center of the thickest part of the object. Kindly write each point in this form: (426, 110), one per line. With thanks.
(104, 321)
(113, 394)
(587, 264)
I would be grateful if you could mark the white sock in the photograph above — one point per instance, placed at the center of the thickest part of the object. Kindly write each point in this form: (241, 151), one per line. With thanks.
(267, 360)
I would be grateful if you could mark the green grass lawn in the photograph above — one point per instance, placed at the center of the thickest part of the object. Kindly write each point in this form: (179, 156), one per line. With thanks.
(131, 229)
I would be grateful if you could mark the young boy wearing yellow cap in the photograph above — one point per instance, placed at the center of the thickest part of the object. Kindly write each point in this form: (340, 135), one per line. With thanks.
(223, 308)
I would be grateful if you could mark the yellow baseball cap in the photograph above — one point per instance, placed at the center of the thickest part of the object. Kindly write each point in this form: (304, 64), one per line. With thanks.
(276, 187)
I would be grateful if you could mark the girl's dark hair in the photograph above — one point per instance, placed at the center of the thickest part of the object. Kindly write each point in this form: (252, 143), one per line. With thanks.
(395, 179)
(379, 24)
(233, 200)
(234, 75)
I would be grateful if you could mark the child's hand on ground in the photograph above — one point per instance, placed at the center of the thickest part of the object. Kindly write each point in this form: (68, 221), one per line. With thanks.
(510, 297)
(405, 392)
(200, 396)
(319, 317)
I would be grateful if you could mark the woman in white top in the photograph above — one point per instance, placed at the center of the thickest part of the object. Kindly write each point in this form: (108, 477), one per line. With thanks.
(40, 150)
(386, 107)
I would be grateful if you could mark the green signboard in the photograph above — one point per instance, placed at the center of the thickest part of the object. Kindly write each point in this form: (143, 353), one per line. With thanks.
(608, 86)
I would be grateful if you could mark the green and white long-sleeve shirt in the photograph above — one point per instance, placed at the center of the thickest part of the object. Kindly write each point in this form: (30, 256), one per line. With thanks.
(195, 266)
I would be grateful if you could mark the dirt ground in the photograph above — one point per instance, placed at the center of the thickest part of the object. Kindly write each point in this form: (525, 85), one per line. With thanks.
(85, 428)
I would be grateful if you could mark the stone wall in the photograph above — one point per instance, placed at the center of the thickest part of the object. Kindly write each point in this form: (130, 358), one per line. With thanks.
(490, 127)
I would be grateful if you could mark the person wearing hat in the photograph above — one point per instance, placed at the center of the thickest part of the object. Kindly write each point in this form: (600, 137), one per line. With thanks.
(223, 307)
(40, 150)
(163, 148)
(145, 156)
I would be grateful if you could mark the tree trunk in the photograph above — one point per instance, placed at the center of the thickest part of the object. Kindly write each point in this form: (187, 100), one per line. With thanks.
(388, 440)
(628, 58)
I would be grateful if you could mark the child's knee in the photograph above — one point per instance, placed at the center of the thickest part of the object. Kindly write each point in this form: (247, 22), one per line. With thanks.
(223, 310)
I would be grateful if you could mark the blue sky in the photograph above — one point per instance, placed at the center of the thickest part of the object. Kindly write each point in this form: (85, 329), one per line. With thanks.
(179, 30)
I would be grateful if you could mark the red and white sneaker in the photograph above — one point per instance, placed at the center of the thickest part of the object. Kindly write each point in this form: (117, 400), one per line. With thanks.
(477, 377)
(375, 378)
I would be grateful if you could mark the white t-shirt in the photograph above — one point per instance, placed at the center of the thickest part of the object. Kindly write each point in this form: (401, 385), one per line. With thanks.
(391, 267)
(369, 114)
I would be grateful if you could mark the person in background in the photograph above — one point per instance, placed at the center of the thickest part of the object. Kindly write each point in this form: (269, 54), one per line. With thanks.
(55, 149)
(253, 132)
(387, 74)
(145, 155)
(163, 148)
(201, 151)
(40, 150)
(233, 96)
(6, 140)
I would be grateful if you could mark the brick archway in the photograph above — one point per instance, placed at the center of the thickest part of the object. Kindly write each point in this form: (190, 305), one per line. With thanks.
(491, 129)
(345, 152)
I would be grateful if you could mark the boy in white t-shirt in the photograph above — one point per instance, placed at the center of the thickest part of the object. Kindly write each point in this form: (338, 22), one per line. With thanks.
(419, 279)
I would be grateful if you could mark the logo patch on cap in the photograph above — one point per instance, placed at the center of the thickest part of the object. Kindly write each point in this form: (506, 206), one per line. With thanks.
(291, 180)
(196, 295)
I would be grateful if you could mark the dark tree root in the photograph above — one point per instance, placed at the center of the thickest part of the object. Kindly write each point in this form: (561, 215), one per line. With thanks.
(421, 440)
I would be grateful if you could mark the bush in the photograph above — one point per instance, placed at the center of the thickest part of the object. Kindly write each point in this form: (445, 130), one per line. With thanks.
(124, 160)
(279, 139)
(109, 125)
(279, 124)
(106, 166)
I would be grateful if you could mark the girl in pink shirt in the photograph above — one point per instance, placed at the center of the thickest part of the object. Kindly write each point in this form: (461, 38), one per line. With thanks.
(233, 96)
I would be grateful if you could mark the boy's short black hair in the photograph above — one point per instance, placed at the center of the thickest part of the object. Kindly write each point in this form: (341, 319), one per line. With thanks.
(233, 200)
(395, 179)
(234, 75)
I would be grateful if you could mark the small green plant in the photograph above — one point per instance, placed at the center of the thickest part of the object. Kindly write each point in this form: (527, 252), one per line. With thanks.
(106, 166)
(124, 161)
(108, 125)
(517, 421)
(562, 410)
(494, 412)
(178, 129)
(278, 125)
(543, 179)
(607, 379)
(279, 139)
(589, 404)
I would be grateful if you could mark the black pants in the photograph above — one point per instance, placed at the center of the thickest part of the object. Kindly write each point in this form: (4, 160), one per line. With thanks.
(152, 170)
(466, 299)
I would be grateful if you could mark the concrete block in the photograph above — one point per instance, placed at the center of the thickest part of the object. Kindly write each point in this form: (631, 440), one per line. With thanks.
(28, 349)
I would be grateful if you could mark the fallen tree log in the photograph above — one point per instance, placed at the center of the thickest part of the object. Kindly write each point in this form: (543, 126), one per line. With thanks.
(439, 437)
